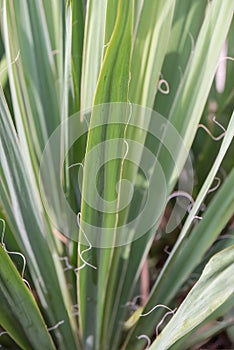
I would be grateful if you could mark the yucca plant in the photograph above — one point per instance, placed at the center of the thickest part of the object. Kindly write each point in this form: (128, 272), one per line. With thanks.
(116, 175)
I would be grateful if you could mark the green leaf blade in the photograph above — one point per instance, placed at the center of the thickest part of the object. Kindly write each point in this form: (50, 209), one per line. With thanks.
(19, 314)
(214, 287)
